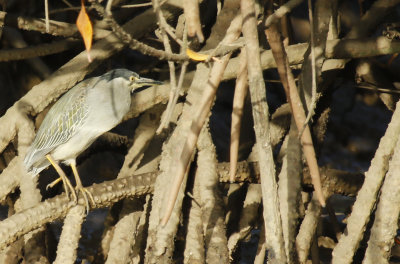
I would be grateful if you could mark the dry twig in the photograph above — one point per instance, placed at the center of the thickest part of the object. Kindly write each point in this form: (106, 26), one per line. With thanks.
(237, 111)
(299, 116)
(272, 220)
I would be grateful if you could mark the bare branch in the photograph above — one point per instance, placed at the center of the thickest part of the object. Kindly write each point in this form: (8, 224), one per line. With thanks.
(71, 233)
(192, 15)
(198, 120)
(366, 198)
(104, 195)
(237, 111)
(272, 220)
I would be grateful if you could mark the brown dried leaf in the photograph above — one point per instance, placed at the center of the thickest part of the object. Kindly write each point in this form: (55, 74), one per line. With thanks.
(196, 56)
(85, 28)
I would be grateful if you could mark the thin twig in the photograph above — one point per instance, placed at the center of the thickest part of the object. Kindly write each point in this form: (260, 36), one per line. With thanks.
(135, 44)
(57, 28)
(137, 5)
(46, 11)
(377, 89)
(170, 30)
(293, 98)
(77, 8)
(313, 70)
(173, 98)
(237, 111)
(167, 46)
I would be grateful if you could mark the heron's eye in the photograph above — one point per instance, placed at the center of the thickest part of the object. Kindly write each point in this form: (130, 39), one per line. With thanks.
(132, 79)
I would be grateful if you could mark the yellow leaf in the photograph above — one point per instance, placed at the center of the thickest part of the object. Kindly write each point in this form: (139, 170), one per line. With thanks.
(196, 56)
(85, 28)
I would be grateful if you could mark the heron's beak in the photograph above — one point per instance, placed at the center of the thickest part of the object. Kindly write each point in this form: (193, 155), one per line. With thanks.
(144, 83)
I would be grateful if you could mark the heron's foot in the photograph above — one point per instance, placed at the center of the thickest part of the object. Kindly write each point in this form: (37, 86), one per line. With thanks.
(67, 187)
(87, 196)
(67, 184)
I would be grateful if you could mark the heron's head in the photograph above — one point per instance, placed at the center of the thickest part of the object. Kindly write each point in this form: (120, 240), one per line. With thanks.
(137, 82)
(129, 79)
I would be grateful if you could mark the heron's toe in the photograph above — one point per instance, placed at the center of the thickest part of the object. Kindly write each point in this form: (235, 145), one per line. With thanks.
(87, 196)
(67, 186)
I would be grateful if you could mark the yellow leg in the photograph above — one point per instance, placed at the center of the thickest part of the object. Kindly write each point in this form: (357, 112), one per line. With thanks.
(53, 183)
(67, 184)
(80, 187)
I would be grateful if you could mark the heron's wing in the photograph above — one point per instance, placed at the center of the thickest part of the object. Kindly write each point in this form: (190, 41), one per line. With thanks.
(60, 123)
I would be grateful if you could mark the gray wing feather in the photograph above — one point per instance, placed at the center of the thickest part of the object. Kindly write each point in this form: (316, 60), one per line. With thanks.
(60, 124)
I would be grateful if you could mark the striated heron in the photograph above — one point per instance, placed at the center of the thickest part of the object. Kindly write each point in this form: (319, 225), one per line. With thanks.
(85, 112)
